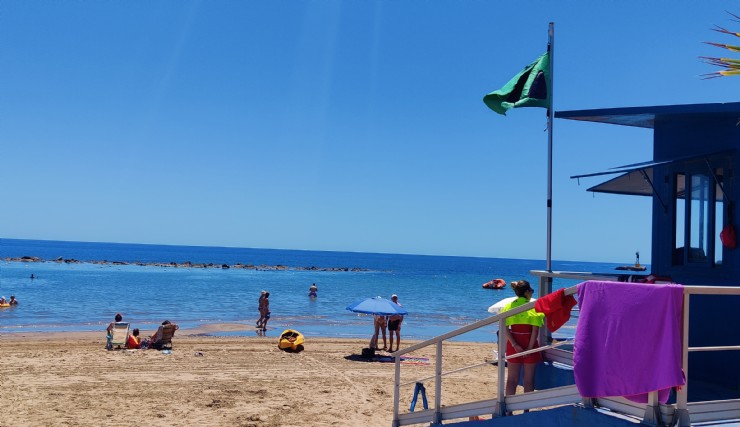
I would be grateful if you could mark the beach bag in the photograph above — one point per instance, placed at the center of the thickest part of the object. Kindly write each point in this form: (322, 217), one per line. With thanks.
(368, 353)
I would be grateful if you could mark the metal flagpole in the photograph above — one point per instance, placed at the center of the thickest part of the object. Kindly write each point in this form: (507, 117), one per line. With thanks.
(546, 282)
(550, 116)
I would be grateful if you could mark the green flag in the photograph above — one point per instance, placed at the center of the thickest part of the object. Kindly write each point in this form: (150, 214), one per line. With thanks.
(530, 88)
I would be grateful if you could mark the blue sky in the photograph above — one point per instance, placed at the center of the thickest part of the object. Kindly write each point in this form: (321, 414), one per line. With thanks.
(328, 125)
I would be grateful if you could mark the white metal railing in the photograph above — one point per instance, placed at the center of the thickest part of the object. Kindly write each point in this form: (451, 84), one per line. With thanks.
(498, 406)
(709, 410)
(682, 413)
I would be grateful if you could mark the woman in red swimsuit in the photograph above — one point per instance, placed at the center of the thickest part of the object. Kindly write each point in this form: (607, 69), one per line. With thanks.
(522, 334)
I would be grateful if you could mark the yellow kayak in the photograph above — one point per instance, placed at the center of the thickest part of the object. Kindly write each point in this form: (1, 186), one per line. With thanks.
(291, 340)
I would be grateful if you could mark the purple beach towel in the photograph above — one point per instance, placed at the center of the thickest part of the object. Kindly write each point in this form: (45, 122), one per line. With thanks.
(628, 340)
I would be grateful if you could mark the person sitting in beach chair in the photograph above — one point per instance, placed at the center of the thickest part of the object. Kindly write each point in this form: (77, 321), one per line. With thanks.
(118, 318)
(162, 339)
(116, 333)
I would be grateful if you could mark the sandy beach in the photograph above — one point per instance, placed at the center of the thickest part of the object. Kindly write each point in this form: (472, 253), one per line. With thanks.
(69, 379)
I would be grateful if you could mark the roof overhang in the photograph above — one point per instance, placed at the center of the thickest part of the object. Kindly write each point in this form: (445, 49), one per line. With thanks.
(646, 117)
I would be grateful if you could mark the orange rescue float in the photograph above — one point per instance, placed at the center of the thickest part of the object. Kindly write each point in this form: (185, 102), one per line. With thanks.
(495, 284)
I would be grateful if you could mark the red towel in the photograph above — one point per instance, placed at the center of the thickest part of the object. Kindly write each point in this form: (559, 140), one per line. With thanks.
(556, 307)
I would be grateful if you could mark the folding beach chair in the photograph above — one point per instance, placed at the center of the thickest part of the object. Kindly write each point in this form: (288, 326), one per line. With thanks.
(118, 336)
(163, 337)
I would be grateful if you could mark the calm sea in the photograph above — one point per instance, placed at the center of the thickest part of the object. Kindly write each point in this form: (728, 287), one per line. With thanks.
(440, 293)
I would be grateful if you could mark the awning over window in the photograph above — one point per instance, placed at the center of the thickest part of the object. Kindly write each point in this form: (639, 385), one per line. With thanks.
(635, 183)
(637, 179)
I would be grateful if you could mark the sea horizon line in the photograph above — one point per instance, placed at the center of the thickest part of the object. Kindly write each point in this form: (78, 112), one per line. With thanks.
(297, 250)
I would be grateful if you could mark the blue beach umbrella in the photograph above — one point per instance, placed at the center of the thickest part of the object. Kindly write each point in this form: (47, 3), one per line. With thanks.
(377, 305)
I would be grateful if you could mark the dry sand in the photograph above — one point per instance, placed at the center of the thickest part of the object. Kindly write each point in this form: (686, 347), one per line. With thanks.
(69, 379)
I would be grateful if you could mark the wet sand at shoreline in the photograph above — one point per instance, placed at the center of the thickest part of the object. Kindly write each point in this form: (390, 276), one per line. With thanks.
(69, 379)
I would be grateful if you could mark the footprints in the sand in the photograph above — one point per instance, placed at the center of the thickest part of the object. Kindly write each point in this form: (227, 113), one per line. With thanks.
(252, 420)
(362, 394)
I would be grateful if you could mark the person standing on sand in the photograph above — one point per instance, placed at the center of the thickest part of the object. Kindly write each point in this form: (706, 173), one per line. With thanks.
(394, 325)
(522, 332)
(266, 310)
(261, 309)
(380, 325)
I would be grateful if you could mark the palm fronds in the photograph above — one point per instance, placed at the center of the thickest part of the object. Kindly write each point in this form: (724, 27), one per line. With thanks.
(719, 29)
(731, 66)
(730, 47)
(722, 62)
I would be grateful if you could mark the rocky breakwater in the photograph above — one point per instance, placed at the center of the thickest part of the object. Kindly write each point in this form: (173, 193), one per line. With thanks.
(186, 264)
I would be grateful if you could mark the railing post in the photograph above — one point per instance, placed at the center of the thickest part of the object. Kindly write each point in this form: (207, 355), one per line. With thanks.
(682, 396)
(545, 287)
(652, 411)
(502, 337)
(438, 385)
(396, 391)
(588, 402)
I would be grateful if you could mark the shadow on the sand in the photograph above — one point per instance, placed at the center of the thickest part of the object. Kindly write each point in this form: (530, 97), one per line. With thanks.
(406, 360)
(376, 358)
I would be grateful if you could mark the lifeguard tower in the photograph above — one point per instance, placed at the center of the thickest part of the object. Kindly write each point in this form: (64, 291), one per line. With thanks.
(691, 182)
